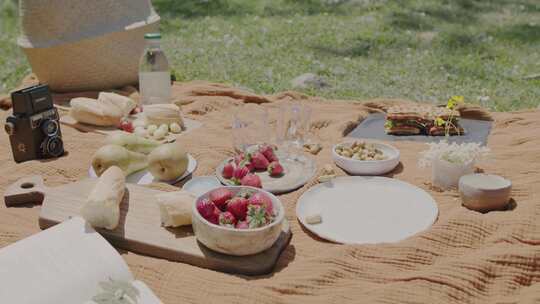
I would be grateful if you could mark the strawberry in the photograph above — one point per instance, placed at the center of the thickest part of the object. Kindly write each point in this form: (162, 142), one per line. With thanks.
(245, 193)
(248, 165)
(275, 169)
(238, 207)
(242, 225)
(257, 216)
(268, 152)
(215, 216)
(127, 126)
(251, 180)
(239, 158)
(208, 210)
(220, 197)
(239, 173)
(261, 199)
(228, 171)
(259, 161)
(227, 219)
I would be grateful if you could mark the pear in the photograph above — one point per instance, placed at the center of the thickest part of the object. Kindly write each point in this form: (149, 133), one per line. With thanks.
(168, 162)
(132, 142)
(113, 155)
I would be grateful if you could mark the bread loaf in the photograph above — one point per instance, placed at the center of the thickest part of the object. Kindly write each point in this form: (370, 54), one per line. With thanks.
(89, 111)
(107, 110)
(102, 208)
(158, 114)
(125, 104)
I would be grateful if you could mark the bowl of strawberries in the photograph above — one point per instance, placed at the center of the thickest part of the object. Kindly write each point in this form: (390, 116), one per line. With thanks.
(237, 220)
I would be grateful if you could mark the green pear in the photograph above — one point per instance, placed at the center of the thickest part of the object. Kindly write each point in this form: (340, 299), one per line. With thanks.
(168, 162)
(113, 155)
(132, 142)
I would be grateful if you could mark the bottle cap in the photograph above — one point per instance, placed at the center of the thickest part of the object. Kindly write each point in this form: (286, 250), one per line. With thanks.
(152, 36)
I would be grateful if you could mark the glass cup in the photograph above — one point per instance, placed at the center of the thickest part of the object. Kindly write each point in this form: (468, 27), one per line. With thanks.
(250, 127)
(293, 128)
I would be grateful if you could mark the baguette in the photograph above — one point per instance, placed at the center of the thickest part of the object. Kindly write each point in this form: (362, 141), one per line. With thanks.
(125, 104)
(89, 111)
(108, 110)
(102, 207)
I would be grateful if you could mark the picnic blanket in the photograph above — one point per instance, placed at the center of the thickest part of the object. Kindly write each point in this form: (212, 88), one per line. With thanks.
(465, 257)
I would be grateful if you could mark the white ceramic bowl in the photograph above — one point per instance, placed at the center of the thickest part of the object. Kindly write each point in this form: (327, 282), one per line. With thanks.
(368, 167)
(485, 192)
(238, 242)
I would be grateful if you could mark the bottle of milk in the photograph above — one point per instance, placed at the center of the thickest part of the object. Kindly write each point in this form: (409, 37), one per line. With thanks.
(154, 74)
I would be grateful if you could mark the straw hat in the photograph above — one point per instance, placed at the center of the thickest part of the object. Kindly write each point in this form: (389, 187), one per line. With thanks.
(75, 45)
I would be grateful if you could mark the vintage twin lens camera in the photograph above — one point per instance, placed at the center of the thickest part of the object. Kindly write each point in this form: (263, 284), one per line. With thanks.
(34, 128)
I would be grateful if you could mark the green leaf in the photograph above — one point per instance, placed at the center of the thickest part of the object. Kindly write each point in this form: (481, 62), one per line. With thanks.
(439, 122)
(455, 101)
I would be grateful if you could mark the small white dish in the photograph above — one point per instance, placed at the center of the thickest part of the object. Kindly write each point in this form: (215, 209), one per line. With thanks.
(366, 210)
(238, 242)
(368, 167)
(144, 177)
(201, 184)
(485, 192)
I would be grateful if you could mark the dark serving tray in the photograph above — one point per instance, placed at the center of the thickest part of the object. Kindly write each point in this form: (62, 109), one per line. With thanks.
(373, 127)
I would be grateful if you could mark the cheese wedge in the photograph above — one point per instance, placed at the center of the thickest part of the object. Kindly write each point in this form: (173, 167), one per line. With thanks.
(175, 208)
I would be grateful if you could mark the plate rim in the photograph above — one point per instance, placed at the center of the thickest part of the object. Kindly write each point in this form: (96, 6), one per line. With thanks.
(363, 178)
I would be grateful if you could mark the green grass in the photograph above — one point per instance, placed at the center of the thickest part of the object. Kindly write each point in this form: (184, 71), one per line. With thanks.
(424, 50)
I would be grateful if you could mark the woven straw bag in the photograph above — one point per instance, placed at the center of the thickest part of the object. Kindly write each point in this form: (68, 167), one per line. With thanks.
(76, 45)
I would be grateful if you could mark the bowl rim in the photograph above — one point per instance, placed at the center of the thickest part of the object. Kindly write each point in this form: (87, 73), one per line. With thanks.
(396, 150)
(504, 188)
(278, 218)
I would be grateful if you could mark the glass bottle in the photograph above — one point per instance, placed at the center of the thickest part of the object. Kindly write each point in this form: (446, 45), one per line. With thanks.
(154, 73)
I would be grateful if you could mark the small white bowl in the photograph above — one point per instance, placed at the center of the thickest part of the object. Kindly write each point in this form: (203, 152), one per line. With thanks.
(485, 192)
(238, 242)
(368, 167)
(201, 184)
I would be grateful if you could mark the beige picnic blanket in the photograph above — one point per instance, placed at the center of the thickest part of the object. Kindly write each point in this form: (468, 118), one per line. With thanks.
(465, 257)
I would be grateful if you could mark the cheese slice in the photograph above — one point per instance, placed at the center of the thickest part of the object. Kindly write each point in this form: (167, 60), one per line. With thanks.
(314, 219)
(175, 208)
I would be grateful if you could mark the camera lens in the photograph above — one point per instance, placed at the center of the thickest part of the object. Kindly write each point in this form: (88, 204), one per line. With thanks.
(53, 146)
(50, 127)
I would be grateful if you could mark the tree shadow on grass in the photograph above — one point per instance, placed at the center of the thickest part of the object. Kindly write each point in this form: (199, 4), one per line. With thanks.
(197, 8)
(364, 46)
(201, 8)
(359, 49)
(528, 33)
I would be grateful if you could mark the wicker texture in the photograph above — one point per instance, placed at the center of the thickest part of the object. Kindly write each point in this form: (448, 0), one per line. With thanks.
(466, 257)
(85, 45)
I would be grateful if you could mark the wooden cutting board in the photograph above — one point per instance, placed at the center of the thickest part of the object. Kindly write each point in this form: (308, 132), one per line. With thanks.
(140, 228)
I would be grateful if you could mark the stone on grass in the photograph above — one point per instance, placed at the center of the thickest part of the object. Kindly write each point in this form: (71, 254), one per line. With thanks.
(309, 81)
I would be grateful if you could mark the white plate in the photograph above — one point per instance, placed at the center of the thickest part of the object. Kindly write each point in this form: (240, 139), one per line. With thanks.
(201, 184)
(144, 177)
(367, 210)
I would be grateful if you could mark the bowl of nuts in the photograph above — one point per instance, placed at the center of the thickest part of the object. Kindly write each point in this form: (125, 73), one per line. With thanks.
(365, 158)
